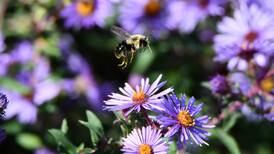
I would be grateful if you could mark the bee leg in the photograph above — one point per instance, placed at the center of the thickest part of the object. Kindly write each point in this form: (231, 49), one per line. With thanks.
(131, 56)
(117, 55)
(123, 62)
(125, 65)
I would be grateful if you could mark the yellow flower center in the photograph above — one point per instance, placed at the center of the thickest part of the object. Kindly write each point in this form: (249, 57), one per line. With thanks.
(139, 97)
(84, 7)
(185, 119)
(145, 149)
(153, 7)
(267, 84)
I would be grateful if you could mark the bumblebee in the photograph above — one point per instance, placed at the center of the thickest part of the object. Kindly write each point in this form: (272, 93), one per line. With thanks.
(128, 46)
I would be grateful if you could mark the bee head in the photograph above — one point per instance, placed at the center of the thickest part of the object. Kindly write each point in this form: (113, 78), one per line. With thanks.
(144, 42)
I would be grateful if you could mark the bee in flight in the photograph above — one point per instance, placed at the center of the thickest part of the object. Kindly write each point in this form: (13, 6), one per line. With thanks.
(129, 45)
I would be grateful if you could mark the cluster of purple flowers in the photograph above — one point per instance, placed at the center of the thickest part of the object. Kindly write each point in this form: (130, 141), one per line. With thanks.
(153, 17)
(31, 70)
(176, 117)
(34, 75)
(83, 13)
(246, 43)
(83, 82)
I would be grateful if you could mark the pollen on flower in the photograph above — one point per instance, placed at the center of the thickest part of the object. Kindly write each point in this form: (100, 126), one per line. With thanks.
(185, 119)
(153, 7)
(267, 84)
(84, 8)
(139, 97)
(145, 149)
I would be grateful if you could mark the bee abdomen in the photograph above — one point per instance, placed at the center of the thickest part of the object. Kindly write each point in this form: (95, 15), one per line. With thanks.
(123, 48)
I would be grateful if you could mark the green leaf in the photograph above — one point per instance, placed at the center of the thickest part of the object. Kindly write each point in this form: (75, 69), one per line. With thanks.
(29, 141)
(95, 127)
(227, 140)
(143, 61)
(62, 140)
(12, 127)
(64, 127)
(14, 85)
(49, 46)
(172, 148)
(231, 121)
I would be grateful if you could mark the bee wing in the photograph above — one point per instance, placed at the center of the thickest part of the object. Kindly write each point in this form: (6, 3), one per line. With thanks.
(122, 34)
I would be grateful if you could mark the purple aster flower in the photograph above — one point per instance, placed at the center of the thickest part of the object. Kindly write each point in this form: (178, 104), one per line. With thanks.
(146, 140)
(5, 61)
(22, 108)
(3, 104)
(247, 36)
(180, 119)
(23, 52)
(267, 5)
(86, 14)
(45, 91)
(38, 79)
(43, 151)
(144, 16)
(240, 83)
(134, 79)
(144, 96)
(84, 82)
(2, 43)
(258, 108)
(65, 43)
(218, 84)
(187, 14)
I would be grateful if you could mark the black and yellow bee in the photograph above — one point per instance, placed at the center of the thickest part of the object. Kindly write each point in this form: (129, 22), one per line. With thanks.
(129, 45)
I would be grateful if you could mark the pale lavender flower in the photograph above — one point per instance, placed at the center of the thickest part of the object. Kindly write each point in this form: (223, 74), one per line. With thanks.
(22, 108)
(5, 61)
(146, 140)
(84, 82)
(180, 118)
(267, 5)
(144, 96)
(23, 52)
(86, 14)
(144, 16)
(42, 89)
(45, 91)
(134, 79)
(44, 151)
(240, 83)
(247, 36)
(219, 84)
(258, 108)
(38, 79)
(65, 43)
(185, 15)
